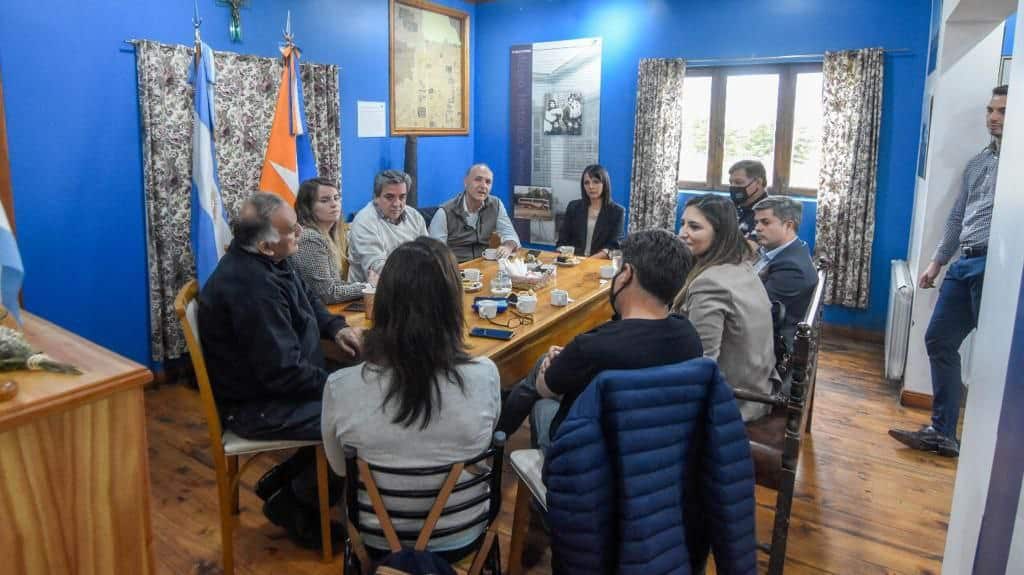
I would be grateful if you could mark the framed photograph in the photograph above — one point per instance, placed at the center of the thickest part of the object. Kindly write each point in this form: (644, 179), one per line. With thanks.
(429, 69)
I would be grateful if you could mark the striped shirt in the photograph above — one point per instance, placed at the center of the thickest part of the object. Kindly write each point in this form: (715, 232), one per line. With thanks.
(971, 216)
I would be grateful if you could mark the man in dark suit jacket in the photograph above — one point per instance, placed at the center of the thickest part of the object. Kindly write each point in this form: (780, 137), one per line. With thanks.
(784, 262)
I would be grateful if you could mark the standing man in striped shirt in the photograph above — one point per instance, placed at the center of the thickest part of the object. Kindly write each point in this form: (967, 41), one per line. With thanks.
(956, 312)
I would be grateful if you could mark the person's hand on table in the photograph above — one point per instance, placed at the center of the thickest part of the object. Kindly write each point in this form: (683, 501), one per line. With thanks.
(350, 340)
(372, 277)
(507, 249)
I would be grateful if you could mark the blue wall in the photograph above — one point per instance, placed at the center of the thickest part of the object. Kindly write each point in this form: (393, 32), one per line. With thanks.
(696, 29)
(73, 129)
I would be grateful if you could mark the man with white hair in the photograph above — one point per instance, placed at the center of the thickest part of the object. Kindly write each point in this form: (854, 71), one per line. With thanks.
(467, 221)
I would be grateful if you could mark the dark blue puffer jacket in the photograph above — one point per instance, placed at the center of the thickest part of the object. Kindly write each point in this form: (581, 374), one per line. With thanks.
(649, 470)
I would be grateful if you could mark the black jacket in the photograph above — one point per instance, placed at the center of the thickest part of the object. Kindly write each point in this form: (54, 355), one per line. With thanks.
(608, 228)
(790, 278)
(260, 328)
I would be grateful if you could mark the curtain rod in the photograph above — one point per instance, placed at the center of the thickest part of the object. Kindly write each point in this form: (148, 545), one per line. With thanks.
(775, 59)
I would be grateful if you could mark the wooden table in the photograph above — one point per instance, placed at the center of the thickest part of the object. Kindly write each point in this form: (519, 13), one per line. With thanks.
(551, 325)
(74, 472)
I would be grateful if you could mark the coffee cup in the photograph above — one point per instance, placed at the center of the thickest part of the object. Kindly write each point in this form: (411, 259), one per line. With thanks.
(368, 294)
(488, 309)
(567, 251)
(490, 254)
(608, 271)
(559, 297)
(471, 274)
(526, 303)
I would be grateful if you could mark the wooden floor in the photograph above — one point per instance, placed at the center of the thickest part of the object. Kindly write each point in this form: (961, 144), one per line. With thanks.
(863, 504)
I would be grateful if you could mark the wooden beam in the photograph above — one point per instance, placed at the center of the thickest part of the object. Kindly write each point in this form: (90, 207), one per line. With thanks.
(6, 189)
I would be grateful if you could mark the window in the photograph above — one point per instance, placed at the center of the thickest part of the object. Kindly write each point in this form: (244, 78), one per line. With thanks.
(767, 113)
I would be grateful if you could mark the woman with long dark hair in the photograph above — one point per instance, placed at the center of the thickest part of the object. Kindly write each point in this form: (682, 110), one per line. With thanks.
(593, 223)
(321, 250)
(725, 300)
(418, 399)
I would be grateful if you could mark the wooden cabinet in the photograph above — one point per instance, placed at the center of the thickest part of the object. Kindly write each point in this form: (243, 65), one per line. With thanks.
(74, 473)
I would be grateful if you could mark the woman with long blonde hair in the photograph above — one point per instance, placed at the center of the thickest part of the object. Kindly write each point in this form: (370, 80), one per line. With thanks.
(322, 247)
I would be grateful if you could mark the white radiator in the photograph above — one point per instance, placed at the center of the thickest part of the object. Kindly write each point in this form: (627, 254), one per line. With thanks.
(897, 326)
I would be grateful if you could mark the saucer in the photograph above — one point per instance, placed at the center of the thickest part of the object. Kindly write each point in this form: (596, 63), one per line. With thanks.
(568, 264)
(472, 287)
(501, 292)
(491, 259)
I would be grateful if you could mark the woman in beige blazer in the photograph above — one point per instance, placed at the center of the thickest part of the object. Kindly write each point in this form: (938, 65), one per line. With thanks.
(725, 300)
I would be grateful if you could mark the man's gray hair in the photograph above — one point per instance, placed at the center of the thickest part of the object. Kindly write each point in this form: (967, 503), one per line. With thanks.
(785, 208)
(252, 225)
(389, 177)
(479, 165)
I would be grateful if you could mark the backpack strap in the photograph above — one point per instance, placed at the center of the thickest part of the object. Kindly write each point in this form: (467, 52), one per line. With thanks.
(438, 508)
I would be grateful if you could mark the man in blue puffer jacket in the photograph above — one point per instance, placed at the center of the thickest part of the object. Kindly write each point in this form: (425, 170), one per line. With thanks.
(649, 470)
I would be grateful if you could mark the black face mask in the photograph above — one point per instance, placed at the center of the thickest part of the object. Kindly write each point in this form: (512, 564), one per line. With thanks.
(612, 293)
(738, 193)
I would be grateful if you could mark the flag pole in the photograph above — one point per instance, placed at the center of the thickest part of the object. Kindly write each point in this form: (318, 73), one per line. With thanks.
(289, 41)
(196, 21)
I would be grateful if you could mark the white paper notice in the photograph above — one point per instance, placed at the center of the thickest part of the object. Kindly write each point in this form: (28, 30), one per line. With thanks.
(372, 119)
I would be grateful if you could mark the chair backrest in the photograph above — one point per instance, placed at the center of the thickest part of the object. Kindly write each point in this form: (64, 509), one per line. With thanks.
(428, 213)
(359, 477)
(804, 364)
(186, 305)
(782, 352)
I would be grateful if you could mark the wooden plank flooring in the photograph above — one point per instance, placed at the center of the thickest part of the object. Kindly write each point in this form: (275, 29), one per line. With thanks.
(863, 504)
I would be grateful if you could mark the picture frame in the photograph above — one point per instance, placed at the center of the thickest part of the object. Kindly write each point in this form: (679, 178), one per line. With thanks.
(429, 78)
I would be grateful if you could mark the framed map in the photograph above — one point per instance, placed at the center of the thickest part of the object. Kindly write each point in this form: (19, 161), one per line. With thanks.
(429, 69)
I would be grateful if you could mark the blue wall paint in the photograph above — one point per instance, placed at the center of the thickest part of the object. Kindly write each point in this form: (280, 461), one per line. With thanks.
(73, 129)
(696, 29)
(1011, 25)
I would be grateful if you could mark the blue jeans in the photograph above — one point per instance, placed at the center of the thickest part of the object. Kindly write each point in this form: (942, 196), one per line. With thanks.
(524, 400)
(955, 316)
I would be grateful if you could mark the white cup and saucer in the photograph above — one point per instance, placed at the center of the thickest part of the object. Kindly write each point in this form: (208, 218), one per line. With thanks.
(559, 298)
(608, 271)
(488, 309)
(491, 254)
(526, 304)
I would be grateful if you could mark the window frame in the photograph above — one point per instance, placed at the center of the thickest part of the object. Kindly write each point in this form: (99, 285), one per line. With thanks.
(784, 122)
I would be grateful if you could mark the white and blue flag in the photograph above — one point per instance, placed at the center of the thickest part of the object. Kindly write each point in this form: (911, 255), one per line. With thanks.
(210, 231)
(11, 270)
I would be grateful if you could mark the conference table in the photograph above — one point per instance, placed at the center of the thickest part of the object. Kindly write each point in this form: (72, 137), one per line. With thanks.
(551, 325)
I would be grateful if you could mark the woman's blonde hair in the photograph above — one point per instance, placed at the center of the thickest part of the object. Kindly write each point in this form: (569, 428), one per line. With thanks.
(307, 197)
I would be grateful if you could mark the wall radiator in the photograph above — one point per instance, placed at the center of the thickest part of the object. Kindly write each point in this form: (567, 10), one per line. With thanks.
(897, 326)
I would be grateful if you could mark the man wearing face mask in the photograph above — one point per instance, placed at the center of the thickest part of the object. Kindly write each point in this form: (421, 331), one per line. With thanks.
(655, 264)
(747, 186)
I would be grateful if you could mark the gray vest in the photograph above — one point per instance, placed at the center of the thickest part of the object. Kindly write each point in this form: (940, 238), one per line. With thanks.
(465, 241)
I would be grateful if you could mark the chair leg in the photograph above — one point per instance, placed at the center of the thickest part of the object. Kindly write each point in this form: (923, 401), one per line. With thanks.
(520, 527)
(232, 474)
(810, 409)
(227, 518)
(325, 504)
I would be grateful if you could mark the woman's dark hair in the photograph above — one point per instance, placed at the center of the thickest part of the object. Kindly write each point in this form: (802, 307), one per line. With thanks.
(309, 193)
(418, 325)
(596, 172)
(728, 246)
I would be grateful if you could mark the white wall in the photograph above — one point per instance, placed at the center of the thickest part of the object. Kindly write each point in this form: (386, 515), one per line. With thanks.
(993, 340)
(960, 88)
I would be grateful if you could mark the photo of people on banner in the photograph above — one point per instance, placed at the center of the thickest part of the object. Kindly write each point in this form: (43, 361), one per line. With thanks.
(564, 114)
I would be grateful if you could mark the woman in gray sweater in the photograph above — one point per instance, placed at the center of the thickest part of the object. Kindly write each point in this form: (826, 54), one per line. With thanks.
(418, 399)
(725, 300)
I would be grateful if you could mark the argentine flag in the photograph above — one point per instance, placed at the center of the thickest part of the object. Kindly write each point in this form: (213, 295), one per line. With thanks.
(11, 270)
(210, 231)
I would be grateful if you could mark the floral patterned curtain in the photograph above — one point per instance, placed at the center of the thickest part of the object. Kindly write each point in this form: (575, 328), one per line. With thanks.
(657, 137)
(245, 95)
(852, 100)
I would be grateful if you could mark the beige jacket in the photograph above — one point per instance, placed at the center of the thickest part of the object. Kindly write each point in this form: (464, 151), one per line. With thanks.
(729, 307)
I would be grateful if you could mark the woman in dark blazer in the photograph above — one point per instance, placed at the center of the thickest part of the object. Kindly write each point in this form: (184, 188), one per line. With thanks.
(593, 223)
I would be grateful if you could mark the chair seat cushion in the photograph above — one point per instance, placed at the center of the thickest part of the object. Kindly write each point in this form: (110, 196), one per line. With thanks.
(767, 436)
(528, 465)
(235, 445)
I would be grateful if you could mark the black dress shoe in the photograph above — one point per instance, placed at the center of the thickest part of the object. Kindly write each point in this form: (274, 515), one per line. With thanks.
(282, 473)
(927, 439)
(302, 525)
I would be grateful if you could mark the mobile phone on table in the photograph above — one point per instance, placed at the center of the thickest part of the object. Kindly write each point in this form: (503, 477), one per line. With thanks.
(356, 306)
(502, 334)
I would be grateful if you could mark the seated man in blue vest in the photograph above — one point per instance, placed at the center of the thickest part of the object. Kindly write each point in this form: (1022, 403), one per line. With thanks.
(467, 221)
(260, 326)
(784, 262)
(655, 264)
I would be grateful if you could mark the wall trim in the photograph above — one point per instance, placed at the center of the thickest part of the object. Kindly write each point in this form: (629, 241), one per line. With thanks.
(915, 399)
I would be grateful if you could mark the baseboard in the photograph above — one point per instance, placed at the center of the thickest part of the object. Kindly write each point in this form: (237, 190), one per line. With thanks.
(855, 333)
(915, 399)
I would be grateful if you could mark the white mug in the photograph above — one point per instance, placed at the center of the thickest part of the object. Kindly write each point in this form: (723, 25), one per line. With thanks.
(490, 254)
(567, 251)
(559, 297)
(608, 271)
(471, 274)
(488, 309)
(526, 304)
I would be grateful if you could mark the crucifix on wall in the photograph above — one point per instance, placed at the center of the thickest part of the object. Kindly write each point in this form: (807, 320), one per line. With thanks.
(235, 28)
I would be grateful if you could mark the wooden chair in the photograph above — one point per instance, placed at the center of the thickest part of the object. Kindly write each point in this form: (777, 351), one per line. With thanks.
(775, 439)
(226, 447)
(359, 478)
(527, 464)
